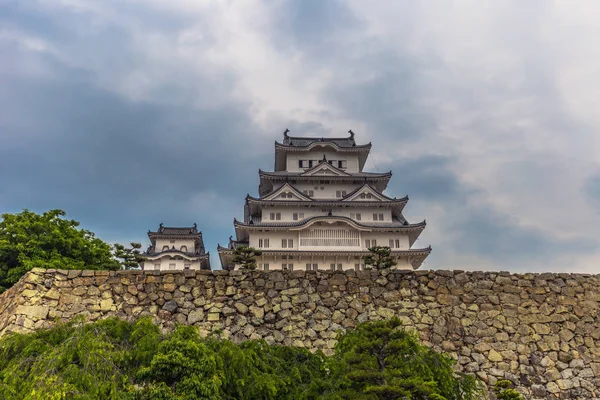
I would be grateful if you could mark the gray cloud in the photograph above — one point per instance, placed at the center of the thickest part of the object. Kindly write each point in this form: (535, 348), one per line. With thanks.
(127, 115)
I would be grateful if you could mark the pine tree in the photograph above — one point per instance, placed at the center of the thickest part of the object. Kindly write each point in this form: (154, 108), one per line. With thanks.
(380, 258)
(130, 257)
(245, 257)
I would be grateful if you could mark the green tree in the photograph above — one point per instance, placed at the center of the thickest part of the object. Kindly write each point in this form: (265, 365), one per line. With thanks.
(130, 257)
(380, 258)
(29, 240)
(245, 257)
(119, 360)
(381, 360)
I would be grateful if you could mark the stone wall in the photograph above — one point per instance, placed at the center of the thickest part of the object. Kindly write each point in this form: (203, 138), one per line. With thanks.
(542, 331)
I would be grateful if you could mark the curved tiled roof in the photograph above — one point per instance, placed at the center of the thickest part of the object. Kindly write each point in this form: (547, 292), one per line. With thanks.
(420, 225)
(355, 175)
(410, 252)
(306, 141)
(320, 202)
(176, 231)
(174, 251)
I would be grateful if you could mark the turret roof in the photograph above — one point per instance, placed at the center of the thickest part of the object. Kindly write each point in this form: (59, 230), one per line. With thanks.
(295, 141)
(175, 231)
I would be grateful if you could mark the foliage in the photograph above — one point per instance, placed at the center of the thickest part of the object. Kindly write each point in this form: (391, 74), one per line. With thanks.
(245, 257)
(504, 390)
(29, 240)
(380, 258)
(130, 257)
(113, 359)
(379, 360)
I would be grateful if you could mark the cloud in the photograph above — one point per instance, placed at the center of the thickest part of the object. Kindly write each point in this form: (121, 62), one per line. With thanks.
(131, 114)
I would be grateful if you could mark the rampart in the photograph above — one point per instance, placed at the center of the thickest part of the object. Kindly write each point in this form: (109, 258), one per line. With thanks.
(542, 331)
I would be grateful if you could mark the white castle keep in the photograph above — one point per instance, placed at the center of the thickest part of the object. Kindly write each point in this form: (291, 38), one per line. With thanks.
(319, 210)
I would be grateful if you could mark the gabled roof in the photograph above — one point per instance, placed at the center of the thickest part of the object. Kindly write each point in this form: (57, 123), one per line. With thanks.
(323, 165)
(281, 175)
(323, 202)
(286, 188)
(366, 188)
(330, 218)
(307, 141)
(304, 144)
(413, 230)
(169, 230)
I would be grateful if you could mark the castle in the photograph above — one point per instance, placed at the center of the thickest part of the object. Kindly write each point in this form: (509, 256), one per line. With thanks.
(319, 209)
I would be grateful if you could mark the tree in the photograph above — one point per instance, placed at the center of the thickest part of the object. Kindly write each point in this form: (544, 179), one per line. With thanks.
(381, 360)
(380, 258)
(29, 240)
(130, 257)
(245, 257)
(115, 359)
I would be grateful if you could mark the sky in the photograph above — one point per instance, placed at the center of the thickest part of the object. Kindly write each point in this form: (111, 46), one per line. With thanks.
(126, 114)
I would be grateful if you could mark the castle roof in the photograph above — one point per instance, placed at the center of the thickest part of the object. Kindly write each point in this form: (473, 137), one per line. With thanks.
(170, 232)
(295, 144)
(295, 141)
(175, 231)
(397, 225)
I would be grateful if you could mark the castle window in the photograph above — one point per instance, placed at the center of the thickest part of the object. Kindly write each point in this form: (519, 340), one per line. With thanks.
(357, 267)
(266, 266)
(342, 164)
(187, 266)
(308, 267)
(291, 267)
(157, 267)
(184, 249)
(171, 241)
(171, 267)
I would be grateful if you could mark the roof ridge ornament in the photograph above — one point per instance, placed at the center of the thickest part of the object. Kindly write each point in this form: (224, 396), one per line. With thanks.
(285, 133)
(351, 134)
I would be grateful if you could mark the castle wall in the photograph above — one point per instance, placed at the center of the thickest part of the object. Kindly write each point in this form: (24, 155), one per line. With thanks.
(542, 331)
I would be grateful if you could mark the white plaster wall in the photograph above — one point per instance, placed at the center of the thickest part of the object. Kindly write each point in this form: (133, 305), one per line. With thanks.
(293, 158)
(366, 213)
(275, 237)
(166, 261)
(329, 189)
(324, 262)
(383, 239)
(178, 243)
